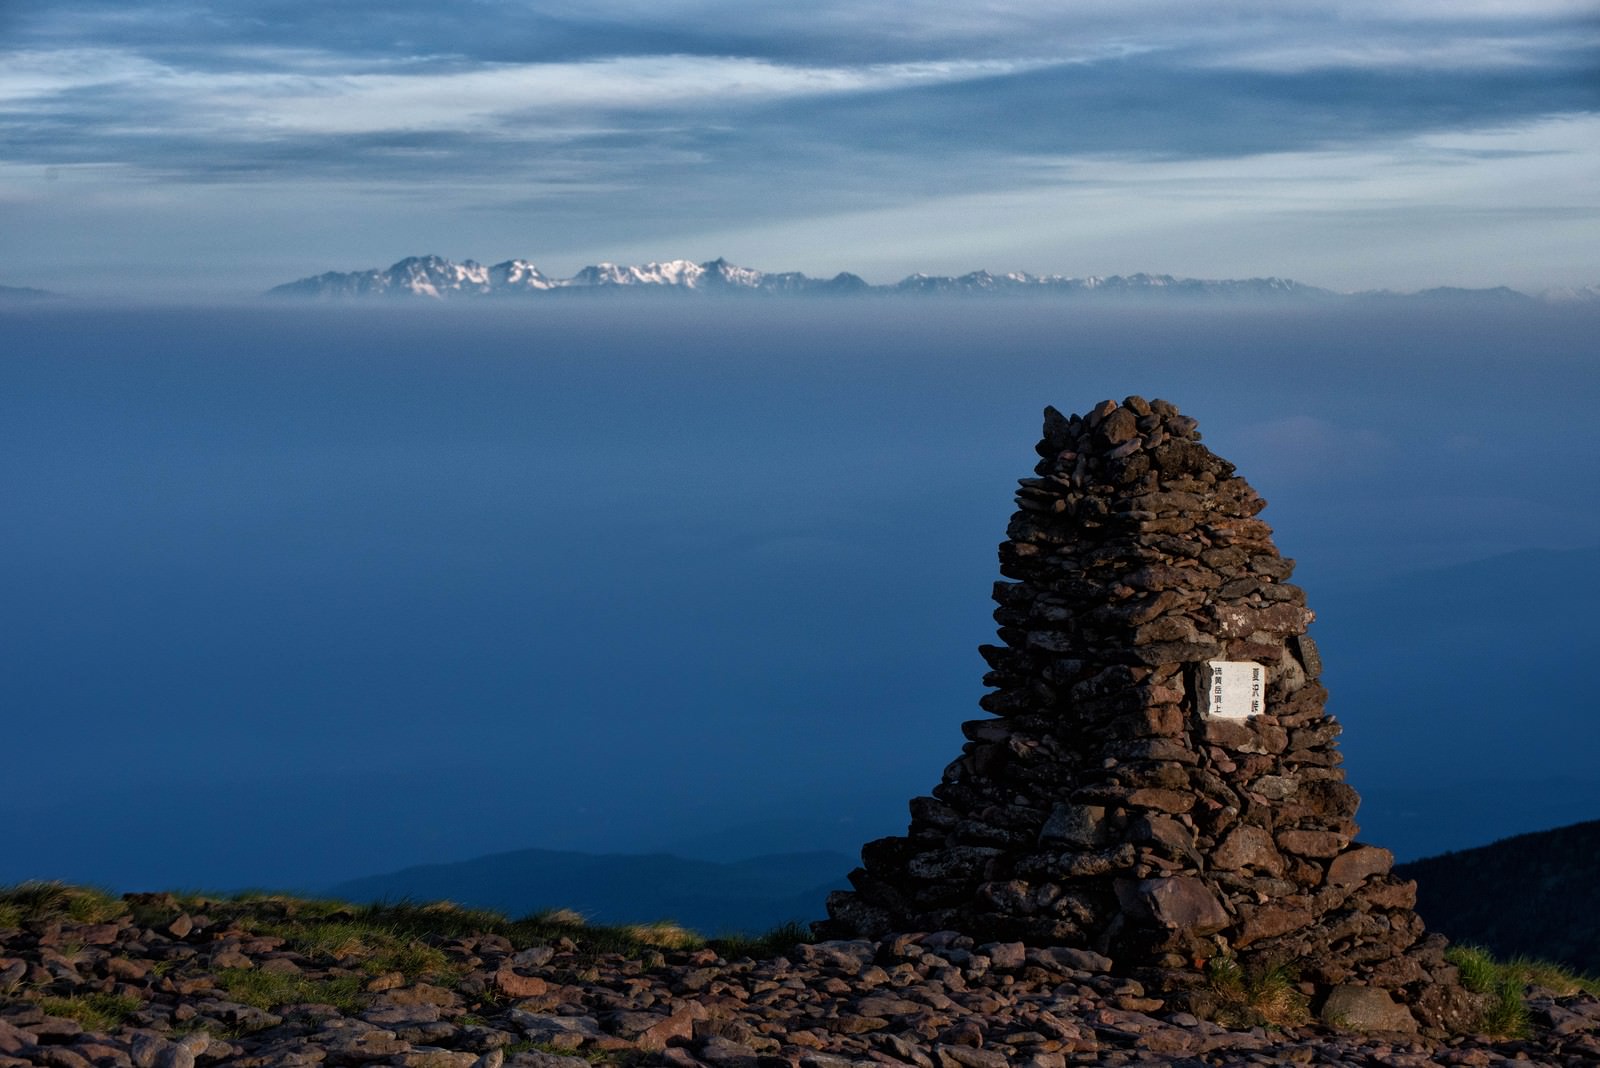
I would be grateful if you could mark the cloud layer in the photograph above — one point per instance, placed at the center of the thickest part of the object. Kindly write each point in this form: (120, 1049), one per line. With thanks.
(308, 134)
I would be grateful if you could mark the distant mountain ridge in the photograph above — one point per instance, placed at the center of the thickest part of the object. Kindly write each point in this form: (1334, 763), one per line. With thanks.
(746, 896)
(438, 278)
(24, 294)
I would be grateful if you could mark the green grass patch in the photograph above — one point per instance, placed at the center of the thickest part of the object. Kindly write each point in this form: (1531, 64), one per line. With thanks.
(1480, 972)
(774, 943)
(415, 960)
(96, 1012)
(271, 990)
(1506, 1013)
(1506, 984)
(38, 901)
(1247, 998)
(1556, 978)
(339, 939)
(382, 937)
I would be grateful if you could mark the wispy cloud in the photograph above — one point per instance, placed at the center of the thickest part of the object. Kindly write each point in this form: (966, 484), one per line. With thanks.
(589, 121)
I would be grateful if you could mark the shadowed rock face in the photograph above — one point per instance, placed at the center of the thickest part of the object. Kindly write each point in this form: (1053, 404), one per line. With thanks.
(1102, 806)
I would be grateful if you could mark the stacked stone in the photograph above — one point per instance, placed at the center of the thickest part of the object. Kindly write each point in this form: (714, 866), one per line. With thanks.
(1100, 808)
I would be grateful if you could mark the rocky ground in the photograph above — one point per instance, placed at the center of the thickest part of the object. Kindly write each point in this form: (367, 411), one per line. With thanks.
(157, 982)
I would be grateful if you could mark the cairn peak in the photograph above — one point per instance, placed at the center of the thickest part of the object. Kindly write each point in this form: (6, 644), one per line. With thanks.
(1159, 782)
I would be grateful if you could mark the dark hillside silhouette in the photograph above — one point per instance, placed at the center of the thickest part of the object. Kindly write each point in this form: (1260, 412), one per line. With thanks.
(1535, 895)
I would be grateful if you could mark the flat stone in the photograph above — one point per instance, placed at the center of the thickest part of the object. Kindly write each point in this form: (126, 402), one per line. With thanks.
(532, 957)
(678, 1027)
(394, 1016)
(1357, 865)
(958, 862)
(61, 1057)
(1392, 895)
(103, 1055)
(1006, 956)
(434, 1057)
(98, 934)
(1311, 843)
(1276, 787)
(542, 1027)
(887, 1006)
(14, 1039)
(952, 1056)
(1174, 801)
(1270, 922)
(1081, 960)
(514, 984)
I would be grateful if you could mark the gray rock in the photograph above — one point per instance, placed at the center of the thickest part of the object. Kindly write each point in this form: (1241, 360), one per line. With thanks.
(1183, 903)
(14, 1039)
(1366, 1008)
(533, 957)
(1081, 960)
(1078, 825)
(542, 1027)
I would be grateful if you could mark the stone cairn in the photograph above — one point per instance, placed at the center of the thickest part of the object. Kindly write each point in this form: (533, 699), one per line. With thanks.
(1102, 808)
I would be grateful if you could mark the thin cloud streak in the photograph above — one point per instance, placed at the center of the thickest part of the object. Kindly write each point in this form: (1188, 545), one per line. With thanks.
(483, 99)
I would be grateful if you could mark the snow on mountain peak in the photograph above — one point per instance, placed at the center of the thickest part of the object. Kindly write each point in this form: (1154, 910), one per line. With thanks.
(438, 278)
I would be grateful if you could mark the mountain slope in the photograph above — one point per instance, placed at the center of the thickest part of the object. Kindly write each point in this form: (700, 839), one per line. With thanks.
(747, 896)
(1535, 895)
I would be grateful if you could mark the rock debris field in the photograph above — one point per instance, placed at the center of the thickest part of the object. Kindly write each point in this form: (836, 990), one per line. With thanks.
(200, 983)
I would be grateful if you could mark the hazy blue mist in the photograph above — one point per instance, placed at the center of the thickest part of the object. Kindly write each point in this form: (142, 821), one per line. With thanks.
(290, 595)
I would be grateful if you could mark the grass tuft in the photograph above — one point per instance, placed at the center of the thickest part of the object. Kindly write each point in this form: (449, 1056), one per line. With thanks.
(96, 1012)
(1507, 1013)
(1479, 971)
(1268, 998)
(415, 960)
(37, 901)
(271, 990)
(774, 943)
(1556, 978)
(663, 934)
(1506, 985)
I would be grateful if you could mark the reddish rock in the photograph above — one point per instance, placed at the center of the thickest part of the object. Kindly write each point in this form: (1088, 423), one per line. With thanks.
(1311, 843)
(1357, 865)
(1392, 895)
(516, 985)
(1270, 922)
(678, 1027)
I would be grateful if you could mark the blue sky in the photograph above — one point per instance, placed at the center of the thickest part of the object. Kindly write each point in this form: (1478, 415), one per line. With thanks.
(169, 147)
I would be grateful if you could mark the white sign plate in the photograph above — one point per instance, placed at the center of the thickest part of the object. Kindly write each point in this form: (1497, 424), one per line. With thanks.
(1232, 689)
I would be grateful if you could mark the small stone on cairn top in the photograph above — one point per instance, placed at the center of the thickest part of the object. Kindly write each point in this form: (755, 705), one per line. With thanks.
(1159, 782)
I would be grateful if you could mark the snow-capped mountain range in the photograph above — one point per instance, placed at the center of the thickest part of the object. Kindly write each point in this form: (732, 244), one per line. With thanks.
(438, 278)
(434, 276)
